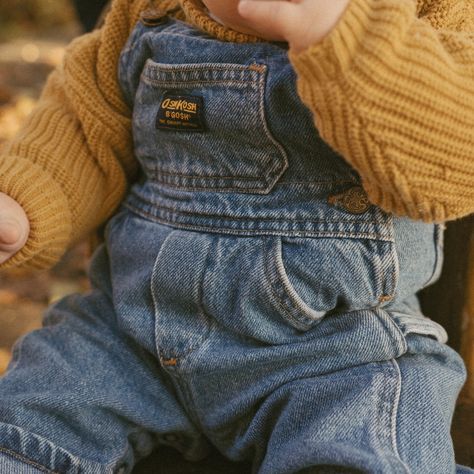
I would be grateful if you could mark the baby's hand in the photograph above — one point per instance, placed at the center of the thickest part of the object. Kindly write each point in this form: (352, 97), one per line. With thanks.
(299, 22)
(14, 227)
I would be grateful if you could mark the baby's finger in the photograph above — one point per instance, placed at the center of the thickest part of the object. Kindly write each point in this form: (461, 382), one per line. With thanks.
(11, 233)
(14, 227)
(12, 238)
(268, 17)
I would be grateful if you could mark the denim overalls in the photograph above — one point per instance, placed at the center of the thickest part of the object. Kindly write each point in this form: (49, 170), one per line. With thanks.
(248, 295)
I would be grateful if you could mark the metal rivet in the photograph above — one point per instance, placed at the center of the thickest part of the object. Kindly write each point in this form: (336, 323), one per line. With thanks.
(169, 362)
(354, 200)
(257, 67)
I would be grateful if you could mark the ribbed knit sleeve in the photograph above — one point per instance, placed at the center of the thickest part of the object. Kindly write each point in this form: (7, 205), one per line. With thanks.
(68, 167)
(392, 90)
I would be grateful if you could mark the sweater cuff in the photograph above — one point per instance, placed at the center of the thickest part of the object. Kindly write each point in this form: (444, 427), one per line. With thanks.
(46, 207)
(362, 22)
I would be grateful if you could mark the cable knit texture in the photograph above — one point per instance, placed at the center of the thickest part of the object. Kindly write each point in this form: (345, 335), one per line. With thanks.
(391, 89)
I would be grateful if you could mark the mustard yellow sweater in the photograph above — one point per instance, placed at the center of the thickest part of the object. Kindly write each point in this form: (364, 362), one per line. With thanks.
(391, 89)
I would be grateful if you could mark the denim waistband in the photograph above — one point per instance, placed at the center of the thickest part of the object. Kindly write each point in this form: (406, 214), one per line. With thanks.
(291, 209)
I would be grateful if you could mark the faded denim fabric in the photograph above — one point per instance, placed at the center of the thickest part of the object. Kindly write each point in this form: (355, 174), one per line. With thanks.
(247, 296)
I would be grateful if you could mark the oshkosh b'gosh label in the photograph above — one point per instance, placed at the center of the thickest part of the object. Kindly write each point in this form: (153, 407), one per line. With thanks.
(181, 113)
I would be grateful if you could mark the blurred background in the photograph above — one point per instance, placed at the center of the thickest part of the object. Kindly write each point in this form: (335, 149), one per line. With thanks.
(33, 37)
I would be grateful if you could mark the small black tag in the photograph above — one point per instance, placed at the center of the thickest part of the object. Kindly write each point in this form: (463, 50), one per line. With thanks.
(181, 113)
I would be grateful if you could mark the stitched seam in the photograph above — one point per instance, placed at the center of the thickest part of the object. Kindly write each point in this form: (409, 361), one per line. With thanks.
(369, 367)
(312, 183)
(259, 186)
(394, 416)
(260, 231)
(280, 164)
(179, 84)
(26, 460)
(395, 262)
(157, 74)
(394, 325)
(158, 173)
(259, 218)
(300, 321)
(295, 301)
(200, 67)
(387, 268)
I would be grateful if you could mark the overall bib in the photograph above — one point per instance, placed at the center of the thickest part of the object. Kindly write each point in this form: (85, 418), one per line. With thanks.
(248, 295)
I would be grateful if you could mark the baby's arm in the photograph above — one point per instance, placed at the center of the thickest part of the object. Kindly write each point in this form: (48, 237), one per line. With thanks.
(392, 89)
(68, 166)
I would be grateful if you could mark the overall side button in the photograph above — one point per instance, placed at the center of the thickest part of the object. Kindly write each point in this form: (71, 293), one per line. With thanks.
(354, 200)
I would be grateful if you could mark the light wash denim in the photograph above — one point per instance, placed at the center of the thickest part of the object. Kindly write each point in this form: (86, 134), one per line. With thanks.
(247, 295)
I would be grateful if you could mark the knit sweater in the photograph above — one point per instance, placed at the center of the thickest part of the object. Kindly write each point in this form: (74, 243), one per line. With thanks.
(391, 89)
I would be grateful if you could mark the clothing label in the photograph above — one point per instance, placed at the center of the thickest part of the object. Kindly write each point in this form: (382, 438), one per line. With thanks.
(181, 113)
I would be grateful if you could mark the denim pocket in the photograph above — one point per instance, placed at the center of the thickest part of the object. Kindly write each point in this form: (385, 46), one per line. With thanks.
(314, 277)
(203, 126)
(273, 288)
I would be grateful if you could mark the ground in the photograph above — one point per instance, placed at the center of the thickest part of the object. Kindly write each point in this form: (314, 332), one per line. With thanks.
(24, 65)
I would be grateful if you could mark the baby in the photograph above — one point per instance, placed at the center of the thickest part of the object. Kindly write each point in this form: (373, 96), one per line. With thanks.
(273, 203)
(299, 23)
